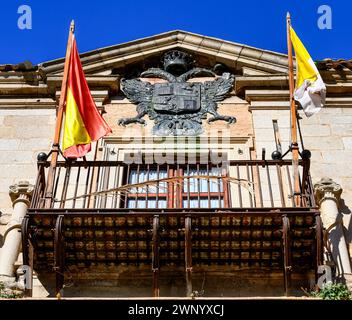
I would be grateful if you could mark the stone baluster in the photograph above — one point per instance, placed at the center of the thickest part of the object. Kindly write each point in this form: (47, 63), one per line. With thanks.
(328, 195)
(20, 194)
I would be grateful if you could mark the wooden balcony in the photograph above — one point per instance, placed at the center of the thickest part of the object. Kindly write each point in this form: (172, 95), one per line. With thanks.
(190, 216)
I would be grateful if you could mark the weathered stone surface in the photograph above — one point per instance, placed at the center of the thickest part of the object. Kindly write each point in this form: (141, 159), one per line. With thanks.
(323, 143)
(316, 130)
(39, 131)
(16, 157)
(341, 129)
(336, 157)
(35, 144)
(9, 144)
(347, 142)
(336, 119)
(29, 121)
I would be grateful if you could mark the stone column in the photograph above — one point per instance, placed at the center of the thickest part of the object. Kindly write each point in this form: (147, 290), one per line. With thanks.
(328, 194)
(20, 194)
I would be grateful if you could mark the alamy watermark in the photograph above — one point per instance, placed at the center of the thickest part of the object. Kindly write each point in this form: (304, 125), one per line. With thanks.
(25, 274)
(24, 21)
(325, 18)
(326, 276)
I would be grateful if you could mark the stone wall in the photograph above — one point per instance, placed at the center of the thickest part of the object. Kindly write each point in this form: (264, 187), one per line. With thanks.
(23, 134)
(328, 135)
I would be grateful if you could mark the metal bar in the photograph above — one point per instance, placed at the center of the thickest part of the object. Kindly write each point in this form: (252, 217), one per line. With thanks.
(155, 257)
(179, 188)
(147, 191)
(219, 180)
(255, 187)
(299, 198)
(239, 188)
(36, 193)
(188, 255)
(250, 195)
(65, 187)
(105, 186)
(58, 172)
(260, 187)
(208, 184)
(128, 179)
(195, 211)
(40, 195)
(59, 255)
(86, 188)
(116, 184)
(95, 185)
(102, 163)
(25, 239)
(188, 187)
(305, 181)
(226, 188)
(319, 241)
(158, 186)
(280, 182)
(76, 187)
(198, 184)
(290, 186)
(311, 193)
(136, 201)
(286, 253)
(170, 194)
(27, 261)
(270, 188)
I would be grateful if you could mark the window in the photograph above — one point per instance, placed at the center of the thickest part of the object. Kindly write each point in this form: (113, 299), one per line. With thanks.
(187, 186)
(150, 196)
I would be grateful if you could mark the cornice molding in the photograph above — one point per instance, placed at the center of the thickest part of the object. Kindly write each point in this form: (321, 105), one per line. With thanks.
(233, 54)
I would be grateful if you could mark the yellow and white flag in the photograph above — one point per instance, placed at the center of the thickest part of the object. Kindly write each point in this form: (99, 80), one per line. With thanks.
(310, 89)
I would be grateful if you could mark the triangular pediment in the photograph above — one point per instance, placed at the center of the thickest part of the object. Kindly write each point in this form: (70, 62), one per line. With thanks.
(207, 51)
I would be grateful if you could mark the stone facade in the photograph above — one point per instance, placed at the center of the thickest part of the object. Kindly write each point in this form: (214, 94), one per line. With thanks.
(259, 97)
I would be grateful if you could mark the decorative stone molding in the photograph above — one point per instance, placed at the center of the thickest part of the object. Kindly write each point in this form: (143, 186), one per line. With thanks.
(230, 53)
(22, 191)
(325, 189)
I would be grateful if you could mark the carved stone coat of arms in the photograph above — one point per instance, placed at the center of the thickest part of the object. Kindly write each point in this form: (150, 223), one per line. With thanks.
(177, 106)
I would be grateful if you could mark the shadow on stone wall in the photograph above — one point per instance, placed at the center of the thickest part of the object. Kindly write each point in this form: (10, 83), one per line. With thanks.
(345, 210)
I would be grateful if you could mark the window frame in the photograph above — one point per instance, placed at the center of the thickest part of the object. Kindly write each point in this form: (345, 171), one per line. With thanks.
(175, 195)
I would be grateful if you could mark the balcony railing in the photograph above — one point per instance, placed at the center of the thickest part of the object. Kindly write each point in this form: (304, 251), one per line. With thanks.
(241, 215)
(114, 185)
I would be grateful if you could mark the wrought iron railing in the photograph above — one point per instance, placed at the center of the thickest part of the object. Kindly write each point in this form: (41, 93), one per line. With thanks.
(114, 185)
(106, 212)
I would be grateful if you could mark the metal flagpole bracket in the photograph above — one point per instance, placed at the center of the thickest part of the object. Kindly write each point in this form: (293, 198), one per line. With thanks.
(58, 149)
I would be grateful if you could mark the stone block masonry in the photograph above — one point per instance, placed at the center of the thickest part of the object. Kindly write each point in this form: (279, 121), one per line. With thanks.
(23, 134)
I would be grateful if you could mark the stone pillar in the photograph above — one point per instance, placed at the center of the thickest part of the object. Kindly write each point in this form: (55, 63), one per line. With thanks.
(328, 194)
(20, 194)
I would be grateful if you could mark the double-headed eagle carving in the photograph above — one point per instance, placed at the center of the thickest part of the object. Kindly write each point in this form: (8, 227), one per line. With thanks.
(177, 106)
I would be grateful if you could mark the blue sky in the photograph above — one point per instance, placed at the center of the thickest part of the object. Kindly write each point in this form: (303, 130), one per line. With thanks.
(257, 23)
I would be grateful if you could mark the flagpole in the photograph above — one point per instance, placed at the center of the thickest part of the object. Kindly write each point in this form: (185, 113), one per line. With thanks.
(294, 143)
(59, 117)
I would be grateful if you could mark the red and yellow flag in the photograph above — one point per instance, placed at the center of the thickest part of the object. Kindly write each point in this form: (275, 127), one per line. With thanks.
(83, 122)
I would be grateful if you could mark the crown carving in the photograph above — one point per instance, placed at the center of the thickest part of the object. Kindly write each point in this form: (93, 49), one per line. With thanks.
(177, 62)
